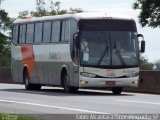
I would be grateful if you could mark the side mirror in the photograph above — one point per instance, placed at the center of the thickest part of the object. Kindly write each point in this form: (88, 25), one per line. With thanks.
(76, 39)
(142, 43)
(143, 46)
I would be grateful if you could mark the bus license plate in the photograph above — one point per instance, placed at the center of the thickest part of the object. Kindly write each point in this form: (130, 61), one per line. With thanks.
(110, 83)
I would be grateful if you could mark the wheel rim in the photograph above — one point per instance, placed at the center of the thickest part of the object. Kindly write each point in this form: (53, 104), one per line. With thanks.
(65, 83)
(26, 81)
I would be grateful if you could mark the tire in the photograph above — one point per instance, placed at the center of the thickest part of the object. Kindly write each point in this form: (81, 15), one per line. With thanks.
(28, 85)
(117, 90)
(66, 85)
(36, 87)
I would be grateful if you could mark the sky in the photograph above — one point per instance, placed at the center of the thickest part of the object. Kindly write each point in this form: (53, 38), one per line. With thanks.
(124, 7)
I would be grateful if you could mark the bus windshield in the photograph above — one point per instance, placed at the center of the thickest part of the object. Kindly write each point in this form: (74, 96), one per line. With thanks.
(104, 45)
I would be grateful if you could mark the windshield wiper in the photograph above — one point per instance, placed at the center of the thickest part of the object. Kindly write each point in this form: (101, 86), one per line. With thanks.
(117, 51)
(103, 54)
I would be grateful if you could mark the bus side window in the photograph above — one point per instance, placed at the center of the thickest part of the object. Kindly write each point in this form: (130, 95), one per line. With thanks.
(47, 32)
(38, 32)
(56, 31)
(22, 34)
(73, 49)
(30, 33)
(15, 34)
(65, 31)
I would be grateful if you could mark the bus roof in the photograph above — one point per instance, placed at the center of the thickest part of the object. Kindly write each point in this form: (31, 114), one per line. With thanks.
(77, 16)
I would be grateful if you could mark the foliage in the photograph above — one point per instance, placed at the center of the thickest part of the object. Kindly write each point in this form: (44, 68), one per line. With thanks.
(4, 51)
(76, 10)
(1, 1)
(5, 24)
(149, 12)
(145, 64)
(54, 9)
(9, 116)
(157, 65)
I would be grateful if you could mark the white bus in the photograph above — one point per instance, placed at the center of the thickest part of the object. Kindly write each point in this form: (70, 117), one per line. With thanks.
(82, 50)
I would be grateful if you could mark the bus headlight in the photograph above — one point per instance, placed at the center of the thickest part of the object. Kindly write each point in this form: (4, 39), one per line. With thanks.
(135, 82)
(84, 74)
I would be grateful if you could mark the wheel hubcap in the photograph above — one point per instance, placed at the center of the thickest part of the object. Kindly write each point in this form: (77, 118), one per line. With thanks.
(27, 82)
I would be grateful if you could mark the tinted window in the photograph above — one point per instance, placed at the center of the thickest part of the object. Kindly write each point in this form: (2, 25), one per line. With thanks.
(15, 34)
(22, 34)
(47, 32)
(73, 29)
(38, 32)
(56, 31)
(30, 32)
(109, 25)
(65, 31)
(122, 25)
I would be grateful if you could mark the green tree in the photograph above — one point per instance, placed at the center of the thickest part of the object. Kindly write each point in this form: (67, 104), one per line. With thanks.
(76, 10)
(145, 64)
(5, 24)
(54, 9)
(149, 12)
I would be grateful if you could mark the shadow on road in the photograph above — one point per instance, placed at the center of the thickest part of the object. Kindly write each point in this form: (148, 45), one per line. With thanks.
(60, 92)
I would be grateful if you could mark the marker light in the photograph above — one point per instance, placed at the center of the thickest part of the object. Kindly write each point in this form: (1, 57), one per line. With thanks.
(135, 82)
(82, 82)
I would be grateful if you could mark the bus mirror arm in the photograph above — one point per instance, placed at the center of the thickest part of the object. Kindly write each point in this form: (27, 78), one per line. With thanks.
(142, 43)
(76, 39)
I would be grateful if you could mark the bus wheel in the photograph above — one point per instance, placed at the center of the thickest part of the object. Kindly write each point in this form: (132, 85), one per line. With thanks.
(117, 90)
(66, 85)
(28, 86)
(37, 87)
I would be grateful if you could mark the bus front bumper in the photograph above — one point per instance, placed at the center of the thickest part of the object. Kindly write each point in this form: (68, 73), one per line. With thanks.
(86, 82)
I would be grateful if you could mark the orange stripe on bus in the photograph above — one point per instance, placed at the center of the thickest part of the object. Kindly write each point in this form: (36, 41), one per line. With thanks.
(28, 57)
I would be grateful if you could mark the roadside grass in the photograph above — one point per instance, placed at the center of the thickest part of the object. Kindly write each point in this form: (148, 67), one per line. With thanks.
(8, 116)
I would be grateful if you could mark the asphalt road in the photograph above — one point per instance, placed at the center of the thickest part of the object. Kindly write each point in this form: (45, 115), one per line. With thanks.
(50, 100)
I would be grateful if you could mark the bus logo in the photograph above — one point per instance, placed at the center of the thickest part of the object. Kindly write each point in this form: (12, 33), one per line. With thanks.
(110, 73)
